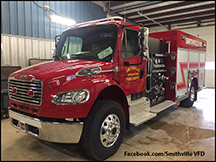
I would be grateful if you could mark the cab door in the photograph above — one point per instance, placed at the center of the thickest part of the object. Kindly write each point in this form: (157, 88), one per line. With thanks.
(131, 72)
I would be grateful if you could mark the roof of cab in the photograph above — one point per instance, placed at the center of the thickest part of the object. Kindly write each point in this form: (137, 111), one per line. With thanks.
(111, 20)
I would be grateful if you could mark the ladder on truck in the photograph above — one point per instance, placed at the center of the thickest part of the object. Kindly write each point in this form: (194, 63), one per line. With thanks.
(141, 112)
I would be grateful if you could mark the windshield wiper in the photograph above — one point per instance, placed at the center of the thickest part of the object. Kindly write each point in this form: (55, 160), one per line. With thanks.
(82, 56)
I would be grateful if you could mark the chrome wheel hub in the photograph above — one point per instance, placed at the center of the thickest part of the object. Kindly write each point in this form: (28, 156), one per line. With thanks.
(110, 130)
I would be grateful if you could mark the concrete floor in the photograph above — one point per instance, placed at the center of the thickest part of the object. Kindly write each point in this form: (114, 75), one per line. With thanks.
(183, 130)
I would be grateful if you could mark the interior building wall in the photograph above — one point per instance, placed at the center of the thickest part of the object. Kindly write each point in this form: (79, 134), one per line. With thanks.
(25, 18)
(28, 32)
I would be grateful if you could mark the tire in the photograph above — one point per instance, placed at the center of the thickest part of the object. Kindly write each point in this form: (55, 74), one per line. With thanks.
(188, 102)
(98, 131)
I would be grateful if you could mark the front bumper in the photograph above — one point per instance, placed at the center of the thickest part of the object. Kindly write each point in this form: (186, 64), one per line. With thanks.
(49, 131)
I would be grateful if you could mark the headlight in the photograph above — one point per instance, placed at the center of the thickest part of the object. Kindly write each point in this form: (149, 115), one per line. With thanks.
(72, 97)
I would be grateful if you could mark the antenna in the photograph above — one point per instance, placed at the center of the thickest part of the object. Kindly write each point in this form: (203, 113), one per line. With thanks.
(109, 9)
(125, 11)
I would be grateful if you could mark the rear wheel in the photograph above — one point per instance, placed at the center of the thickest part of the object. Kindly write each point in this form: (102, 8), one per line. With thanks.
(103, 130)
(188, 102)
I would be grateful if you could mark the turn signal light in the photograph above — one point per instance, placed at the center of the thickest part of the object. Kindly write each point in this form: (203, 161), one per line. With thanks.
(54, 83)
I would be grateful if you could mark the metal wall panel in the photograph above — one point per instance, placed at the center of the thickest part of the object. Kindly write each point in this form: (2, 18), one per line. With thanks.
(57, 9)
(34, 20)
(35, 49)
(13, 18)
(28, 50)
(41, 21)
(41, 49)
(5, 17)
(14, 51)
(17, 49)
(52, 25)
(5, 55)
(48, 47)
(25, 18)
(21, 51)
(21, 20)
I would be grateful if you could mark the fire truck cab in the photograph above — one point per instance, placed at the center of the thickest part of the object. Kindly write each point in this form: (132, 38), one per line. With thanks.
(105, 76)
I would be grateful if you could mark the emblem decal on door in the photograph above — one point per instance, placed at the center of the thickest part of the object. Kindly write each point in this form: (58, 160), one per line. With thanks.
(133, 73)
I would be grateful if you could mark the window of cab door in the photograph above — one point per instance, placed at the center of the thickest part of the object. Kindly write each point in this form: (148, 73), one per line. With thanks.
(130, 46)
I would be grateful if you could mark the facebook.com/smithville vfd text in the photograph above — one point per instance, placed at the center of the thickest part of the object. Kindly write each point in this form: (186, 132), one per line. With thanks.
(165, 153)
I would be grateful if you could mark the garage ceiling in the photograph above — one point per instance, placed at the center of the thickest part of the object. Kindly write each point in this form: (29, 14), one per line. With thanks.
(169, 14)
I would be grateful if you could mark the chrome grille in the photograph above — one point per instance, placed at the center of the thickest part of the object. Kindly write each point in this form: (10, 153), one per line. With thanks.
(22, 91)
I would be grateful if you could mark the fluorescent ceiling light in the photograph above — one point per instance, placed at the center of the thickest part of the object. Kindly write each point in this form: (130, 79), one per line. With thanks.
(62, 20)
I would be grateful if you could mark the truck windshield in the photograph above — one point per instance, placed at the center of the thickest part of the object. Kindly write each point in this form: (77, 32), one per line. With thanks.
(88, 43)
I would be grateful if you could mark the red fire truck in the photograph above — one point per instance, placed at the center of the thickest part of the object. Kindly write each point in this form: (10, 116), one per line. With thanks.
(106, 75)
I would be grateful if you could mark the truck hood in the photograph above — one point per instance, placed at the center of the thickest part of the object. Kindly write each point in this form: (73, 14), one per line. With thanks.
(57, 69)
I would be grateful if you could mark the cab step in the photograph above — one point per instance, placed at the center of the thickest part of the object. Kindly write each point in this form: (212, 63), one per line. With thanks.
(162, 106)
(143, 102)
(141, 117)
(139, 111)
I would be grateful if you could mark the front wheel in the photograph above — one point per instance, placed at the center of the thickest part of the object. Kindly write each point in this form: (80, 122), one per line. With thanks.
(103, 130)
(188, 102)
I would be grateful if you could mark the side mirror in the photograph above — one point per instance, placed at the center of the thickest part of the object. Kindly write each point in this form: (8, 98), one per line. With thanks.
(57, 38)
(143, 41)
